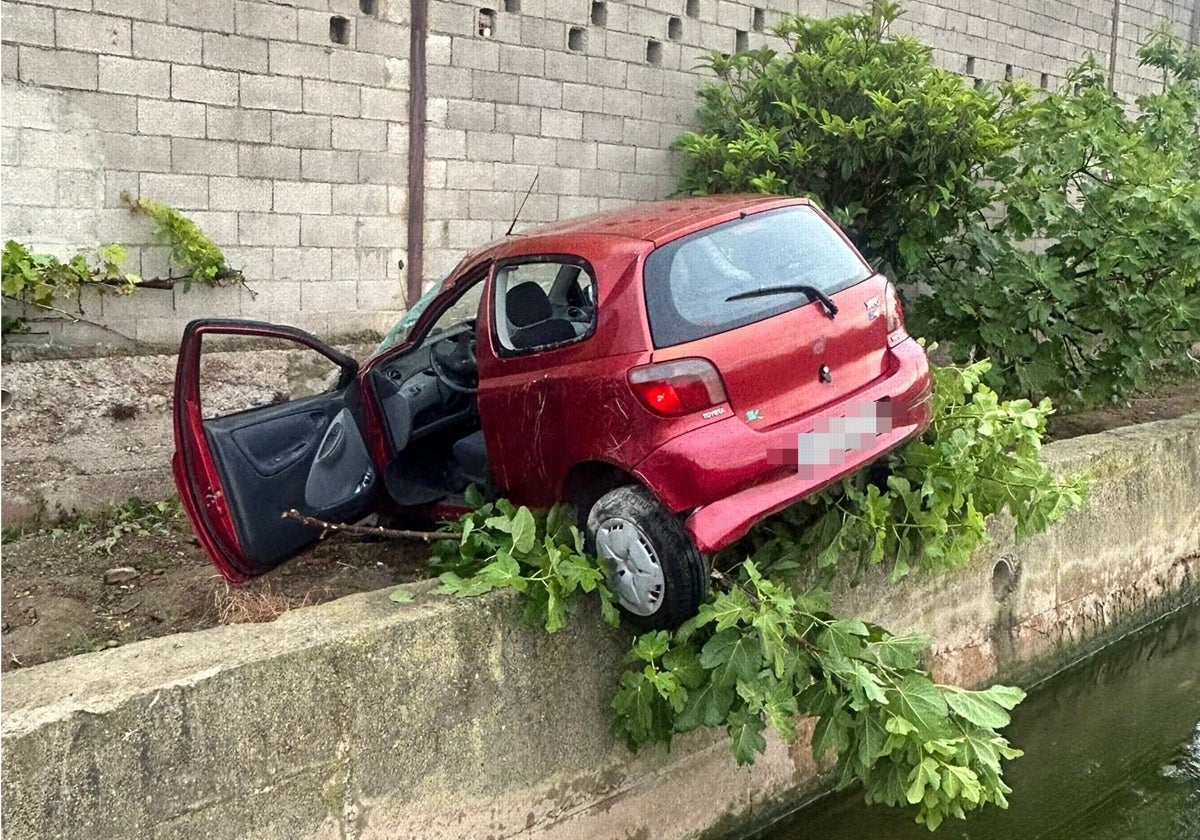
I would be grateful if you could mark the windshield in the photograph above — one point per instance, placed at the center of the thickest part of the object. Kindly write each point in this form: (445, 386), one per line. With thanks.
(404, 326)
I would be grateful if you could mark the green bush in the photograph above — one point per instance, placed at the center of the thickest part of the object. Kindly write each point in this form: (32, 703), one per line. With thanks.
(1086, 284)
(862, 121)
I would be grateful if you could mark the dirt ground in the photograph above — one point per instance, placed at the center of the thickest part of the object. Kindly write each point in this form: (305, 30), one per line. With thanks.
(68, 591)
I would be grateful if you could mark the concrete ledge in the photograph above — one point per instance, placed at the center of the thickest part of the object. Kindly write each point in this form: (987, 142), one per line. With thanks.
(366, 719)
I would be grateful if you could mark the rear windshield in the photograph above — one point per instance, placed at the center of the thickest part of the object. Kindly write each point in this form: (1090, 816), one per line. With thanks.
(687, 281)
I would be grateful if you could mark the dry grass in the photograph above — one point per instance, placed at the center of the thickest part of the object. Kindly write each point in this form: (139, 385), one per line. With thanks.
(257, 605)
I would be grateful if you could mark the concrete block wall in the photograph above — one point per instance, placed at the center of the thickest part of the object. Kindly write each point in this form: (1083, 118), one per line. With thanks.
(291, 149)
(277, 141)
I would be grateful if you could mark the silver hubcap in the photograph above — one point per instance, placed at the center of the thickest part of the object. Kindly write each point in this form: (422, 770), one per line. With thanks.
(634, 573)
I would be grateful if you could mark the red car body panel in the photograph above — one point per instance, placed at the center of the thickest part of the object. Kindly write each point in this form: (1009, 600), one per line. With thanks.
(549, 413)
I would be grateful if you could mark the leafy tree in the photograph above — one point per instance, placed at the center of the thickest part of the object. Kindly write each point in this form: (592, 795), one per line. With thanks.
(862, 121)
(1085, 284)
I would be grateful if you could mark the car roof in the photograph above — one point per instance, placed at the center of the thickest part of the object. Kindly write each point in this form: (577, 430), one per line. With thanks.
(654, 222)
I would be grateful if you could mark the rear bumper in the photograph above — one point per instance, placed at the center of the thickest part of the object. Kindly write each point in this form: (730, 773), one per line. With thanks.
(729, 474)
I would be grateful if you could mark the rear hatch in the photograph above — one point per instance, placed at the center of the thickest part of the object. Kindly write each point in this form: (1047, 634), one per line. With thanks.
(805, 326)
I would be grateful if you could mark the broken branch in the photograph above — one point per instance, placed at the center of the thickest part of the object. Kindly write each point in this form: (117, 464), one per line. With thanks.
(367, 530)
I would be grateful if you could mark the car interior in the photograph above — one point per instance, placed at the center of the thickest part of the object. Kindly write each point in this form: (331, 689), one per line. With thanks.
(427, 396)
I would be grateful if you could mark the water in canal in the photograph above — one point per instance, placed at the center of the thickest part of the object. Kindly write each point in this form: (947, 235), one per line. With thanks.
(1112, 752)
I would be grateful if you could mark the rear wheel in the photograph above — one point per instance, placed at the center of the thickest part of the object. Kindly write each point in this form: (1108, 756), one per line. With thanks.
(654, 569)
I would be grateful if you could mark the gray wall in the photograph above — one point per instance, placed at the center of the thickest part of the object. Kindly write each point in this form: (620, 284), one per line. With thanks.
(291, 150)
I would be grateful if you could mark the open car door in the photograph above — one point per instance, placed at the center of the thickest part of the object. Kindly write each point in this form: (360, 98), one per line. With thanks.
(237, 473)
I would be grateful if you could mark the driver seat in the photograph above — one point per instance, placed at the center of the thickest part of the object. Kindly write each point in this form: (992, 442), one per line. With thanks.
(529, 312)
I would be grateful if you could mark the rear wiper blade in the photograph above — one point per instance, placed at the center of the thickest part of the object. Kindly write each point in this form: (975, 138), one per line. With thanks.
(831, 308)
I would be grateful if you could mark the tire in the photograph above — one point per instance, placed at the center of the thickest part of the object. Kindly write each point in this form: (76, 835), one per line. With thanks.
(654, 569)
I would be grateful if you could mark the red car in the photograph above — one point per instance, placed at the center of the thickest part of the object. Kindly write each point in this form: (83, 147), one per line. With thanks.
(677, 371)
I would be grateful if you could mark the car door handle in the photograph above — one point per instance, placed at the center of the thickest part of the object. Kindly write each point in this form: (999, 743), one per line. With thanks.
(333, 442)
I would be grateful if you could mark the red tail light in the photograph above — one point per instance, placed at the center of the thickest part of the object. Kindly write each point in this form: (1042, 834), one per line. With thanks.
(678, 387)
(895, 316)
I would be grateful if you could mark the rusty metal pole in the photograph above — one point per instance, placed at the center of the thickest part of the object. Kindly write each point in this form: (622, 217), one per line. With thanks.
(1115, 41)
(418, 28)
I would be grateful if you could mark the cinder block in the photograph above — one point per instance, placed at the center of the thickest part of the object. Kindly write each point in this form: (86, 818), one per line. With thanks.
(519, 119)
(381, 232)
(312, 27)
(382, 168)
(580, 154)
(25, 24)
(470, 115)
(486, 145)
(523, 61)
(136, 153)
(270, 92)
(238, 124)
(384, 296)
(329, 166)
(574, 206)
(302, 197)
(544, 93)
(600, 182)
(29, 186)
(220, 227)
(489, 204)
(138, 9)
(571, 67)
(357, 68)
(268, 162)
(396, 72)
(89, 32)
(59, 150)
(646, 78)
(178, 119)
(208, 15)
(495, 87)
(603, 128)
(625, 103)
(562, 124)
(327, 231)
(134, 76)
(606, 72)
(321, 97)
(437, 49)
(445, 143)
(254, 263)
(167, 43)
(186, 192)
(626, 47)
(435, 174)
(302, 264)
(616, 158)
(450, 83)
(235, 52)
(475, 53)
(205, 157)
(268, 229)
(10, 64)
(366, 135)
(265, 20)
(252, 194)
(533, 149)
(381, 37)
(107, 112)
(360, 199)
(577, 97)
(639, 132)
(397, 197)
(326, 296)
(57, 68)
(384, 104)
(307, 60)
(543, 33)
(305, 131)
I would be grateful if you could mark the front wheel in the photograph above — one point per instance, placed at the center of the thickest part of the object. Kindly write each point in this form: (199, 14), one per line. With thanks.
(655, 571)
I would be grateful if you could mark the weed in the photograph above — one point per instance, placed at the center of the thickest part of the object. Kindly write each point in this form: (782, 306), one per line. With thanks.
(258, 606)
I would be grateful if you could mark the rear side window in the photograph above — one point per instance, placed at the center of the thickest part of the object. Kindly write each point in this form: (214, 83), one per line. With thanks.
(688, 281)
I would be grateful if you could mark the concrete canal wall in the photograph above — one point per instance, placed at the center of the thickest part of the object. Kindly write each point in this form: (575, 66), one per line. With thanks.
(368, 719)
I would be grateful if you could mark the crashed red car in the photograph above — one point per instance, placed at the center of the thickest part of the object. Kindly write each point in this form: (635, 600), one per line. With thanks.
(677, 371)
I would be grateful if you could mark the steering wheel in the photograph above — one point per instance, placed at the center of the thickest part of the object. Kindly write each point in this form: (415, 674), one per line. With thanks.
(458, 369)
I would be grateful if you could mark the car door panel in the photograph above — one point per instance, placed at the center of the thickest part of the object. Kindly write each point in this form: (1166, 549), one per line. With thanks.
(239, 473)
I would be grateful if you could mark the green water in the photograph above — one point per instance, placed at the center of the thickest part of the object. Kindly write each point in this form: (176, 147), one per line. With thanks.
(1112, 752)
